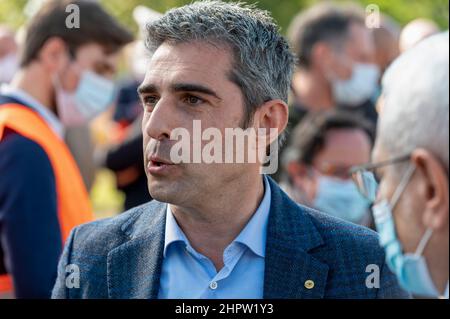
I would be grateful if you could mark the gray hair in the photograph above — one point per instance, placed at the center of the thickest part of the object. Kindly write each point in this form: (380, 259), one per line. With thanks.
(263, 62)
(415, 90)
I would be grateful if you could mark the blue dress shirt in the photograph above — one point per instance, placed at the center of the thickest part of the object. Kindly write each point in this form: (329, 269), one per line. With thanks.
(187, 274)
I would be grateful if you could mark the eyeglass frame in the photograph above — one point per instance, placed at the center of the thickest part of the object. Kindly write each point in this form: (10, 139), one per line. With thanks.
(370, 167)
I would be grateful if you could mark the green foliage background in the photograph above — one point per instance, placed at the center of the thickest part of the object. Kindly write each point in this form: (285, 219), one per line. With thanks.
(11, 11)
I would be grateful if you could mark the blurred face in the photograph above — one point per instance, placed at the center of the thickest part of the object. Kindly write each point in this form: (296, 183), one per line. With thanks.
(359, 48)
(8, 56)
(386, 45)
(183, 83)
(343, 149)
(7, 43)
(88, 57)
(61, 71)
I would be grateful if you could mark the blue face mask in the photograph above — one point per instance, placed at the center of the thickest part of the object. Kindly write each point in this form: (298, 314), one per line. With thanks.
(340, 198)
(92, 96)
(411, 269)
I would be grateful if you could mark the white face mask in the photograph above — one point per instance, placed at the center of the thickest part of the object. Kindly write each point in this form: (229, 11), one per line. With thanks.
(9, 65)
(93, 96)
(359, 88)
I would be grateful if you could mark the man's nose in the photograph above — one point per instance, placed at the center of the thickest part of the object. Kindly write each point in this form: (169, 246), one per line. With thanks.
(157, 124)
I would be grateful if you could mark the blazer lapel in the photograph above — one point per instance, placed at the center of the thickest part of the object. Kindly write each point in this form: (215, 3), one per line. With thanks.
(291, 272)
(134, 268)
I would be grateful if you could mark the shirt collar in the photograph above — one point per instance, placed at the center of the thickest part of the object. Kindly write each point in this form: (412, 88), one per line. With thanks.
(253, 235)
(31, 102)
(173, 231)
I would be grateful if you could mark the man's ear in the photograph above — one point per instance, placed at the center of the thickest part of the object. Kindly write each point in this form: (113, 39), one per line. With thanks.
(434, 189)
(272, 115)
(53, 55)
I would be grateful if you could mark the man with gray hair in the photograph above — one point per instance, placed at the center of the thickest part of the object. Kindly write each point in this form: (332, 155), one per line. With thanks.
(411, 159)
(214, 229)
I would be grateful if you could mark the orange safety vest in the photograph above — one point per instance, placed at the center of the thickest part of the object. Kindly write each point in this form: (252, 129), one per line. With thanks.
(72, 198)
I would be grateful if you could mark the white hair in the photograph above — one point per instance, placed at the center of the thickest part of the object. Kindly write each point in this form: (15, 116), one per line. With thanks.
(416, 31)
(416, 93)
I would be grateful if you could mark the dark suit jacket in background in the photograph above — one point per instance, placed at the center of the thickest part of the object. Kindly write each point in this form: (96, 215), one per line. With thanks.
(122, 257)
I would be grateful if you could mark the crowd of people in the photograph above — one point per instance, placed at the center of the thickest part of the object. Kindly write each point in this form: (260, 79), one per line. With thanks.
(362, 115)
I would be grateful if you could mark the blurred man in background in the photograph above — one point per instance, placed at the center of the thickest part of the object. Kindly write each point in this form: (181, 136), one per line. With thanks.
(336, 62)
(316, 163)
(411, 158)
(8, 55)
(386, 39)
(124, 157)
(415, 31)
(65, 79)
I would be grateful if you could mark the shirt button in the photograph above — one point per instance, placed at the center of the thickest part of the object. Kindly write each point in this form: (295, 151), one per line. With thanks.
(213, 285)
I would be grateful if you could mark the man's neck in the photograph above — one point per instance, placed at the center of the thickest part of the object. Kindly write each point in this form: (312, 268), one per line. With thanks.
(312, 90)
(212, 226)
(33, 81)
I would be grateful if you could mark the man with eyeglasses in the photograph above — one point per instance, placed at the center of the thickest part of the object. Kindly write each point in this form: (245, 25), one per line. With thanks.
(410, 167)
(317, 159)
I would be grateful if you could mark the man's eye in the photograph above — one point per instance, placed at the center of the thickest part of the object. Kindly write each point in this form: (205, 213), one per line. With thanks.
(192, 100)
(149, 101)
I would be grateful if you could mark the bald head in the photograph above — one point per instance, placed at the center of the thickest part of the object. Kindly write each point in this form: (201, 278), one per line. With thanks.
(416, 115)
(415, 31)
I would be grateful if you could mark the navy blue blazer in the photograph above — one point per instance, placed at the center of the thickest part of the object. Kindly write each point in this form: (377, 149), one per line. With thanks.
(121, 257)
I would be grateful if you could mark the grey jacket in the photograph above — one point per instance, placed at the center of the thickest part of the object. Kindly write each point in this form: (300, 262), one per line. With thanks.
(122, 257)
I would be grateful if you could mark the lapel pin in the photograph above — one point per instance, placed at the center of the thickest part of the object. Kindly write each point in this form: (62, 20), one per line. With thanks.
(309, 284)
